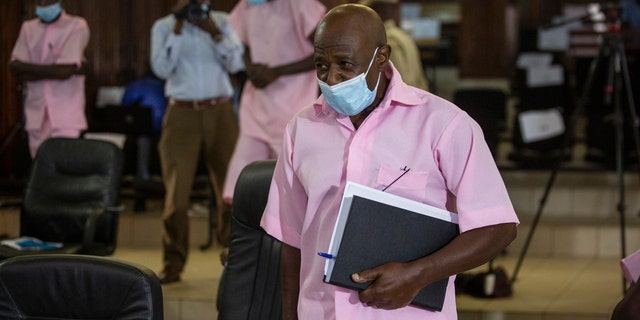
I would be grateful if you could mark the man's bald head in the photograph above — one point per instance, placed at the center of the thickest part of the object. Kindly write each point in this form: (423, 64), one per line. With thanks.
(353, 21)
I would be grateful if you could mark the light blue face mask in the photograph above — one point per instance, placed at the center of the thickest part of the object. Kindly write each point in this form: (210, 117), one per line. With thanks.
(50, 12)
(352, 96)
(256, 2)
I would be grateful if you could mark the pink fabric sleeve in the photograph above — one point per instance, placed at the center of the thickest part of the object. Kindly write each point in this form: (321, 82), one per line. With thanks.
(310, 13)
(20, 49)
(284, 214)
(235, 20)
(73, 51)
(631, 267)
(472, 176)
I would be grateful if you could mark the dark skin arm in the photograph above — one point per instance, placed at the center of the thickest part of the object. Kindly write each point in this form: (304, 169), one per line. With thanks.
(210, 27)
(262, 75)
(396, 284)
(290, 273)
(34, 72)
(629, 307)
(206, 25)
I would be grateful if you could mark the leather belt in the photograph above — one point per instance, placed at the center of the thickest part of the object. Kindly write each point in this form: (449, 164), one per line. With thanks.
(198, 104)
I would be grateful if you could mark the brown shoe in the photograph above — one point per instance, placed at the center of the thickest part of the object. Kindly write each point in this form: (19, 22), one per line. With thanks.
(169, 275)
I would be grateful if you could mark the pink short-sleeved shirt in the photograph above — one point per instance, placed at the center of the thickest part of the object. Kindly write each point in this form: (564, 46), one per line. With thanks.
(450, 165)
(60, 42)
(277, 33)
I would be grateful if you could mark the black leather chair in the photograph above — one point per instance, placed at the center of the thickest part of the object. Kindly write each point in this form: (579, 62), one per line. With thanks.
(72, 197)
(250, 283)
(59, 286)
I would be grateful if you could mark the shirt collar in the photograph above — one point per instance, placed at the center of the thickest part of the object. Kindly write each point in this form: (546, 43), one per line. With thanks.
(398, 93)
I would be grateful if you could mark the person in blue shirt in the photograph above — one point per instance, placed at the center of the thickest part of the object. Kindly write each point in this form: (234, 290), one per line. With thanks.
(195, 50)
(147, 91)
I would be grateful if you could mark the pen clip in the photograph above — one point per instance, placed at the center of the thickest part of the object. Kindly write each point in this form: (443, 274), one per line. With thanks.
(404, 171)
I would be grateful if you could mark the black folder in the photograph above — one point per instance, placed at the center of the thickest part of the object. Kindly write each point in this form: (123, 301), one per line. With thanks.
(376, 233)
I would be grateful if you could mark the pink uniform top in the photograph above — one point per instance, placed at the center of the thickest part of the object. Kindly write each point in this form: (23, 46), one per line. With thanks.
(450, 165)
(277, 33)
(60, 42)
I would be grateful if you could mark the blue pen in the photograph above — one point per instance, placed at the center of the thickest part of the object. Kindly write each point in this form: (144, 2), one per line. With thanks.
(326, 255)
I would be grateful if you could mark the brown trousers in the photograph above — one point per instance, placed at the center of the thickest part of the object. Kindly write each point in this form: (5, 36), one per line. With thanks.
(185, 133)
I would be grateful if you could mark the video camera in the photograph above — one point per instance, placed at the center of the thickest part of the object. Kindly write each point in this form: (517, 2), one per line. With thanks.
(194, 11)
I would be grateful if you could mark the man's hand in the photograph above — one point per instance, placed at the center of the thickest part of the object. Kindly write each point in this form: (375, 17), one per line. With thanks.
(394, 285)
(177, 29)
(261, 75)
(208, 26)
(84, 68)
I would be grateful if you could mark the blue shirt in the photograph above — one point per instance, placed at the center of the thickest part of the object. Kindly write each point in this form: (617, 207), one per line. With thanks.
(194, 65)
(147, 92)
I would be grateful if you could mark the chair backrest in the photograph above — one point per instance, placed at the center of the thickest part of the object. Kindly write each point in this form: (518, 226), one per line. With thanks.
(250, 284)
(53, 286)
(70, 179)
(129, 120)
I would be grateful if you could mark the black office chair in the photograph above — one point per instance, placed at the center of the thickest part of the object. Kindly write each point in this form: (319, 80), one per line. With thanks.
(53, 286)
(250, 283)
(72, 197)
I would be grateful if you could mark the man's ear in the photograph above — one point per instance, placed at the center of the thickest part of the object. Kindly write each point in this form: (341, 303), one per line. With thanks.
(382, 58)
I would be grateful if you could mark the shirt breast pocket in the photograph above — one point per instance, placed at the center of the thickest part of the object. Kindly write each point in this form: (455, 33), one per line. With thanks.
(403, 182)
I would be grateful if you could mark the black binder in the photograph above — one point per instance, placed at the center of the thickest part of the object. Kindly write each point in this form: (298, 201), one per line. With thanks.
(376, 233)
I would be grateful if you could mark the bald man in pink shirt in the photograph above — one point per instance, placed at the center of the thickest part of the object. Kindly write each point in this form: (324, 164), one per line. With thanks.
(371, 128)
(49, 57)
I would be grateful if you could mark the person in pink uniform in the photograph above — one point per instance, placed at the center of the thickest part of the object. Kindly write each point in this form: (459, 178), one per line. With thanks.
(278, 39)
(49, 57)
(370, 127)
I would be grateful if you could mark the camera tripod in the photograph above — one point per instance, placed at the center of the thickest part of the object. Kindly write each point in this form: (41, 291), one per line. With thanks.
(611, 46)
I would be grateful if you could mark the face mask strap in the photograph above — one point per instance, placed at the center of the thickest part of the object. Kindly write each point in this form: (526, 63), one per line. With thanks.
(373, 58)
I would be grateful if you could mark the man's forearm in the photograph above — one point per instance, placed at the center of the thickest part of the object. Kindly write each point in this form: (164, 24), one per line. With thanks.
(303, 65)
(469, 250)
(34, 72)
(396, 284)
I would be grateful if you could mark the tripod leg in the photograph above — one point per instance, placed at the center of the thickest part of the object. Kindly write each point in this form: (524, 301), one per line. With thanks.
(630, 100)
(567, 140)
(626, 80)
(620, 154)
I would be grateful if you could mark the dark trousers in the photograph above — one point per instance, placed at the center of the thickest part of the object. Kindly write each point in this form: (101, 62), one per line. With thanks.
(187, 131)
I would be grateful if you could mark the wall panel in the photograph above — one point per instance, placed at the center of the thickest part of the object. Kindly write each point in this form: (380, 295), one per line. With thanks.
(11, 14)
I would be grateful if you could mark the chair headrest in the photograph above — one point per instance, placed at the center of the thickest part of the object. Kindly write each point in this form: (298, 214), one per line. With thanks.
(60, 286)
(252, 191)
